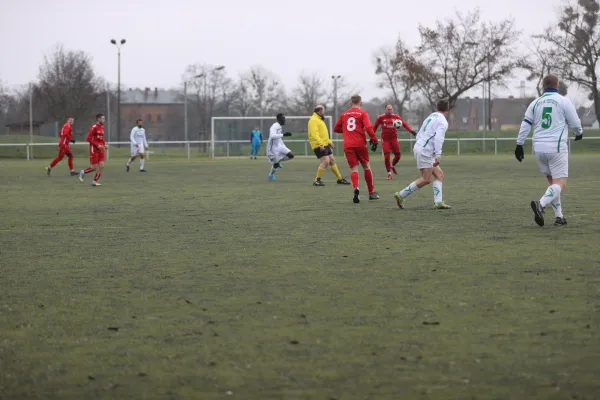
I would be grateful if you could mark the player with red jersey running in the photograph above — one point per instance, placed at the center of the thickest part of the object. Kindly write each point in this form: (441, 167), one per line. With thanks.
(389, 138)
(97, 146)
(64, 147)
(352, 124)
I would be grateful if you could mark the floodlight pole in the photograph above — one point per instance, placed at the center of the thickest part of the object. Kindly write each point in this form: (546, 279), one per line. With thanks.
(119, 45)
(31, 118)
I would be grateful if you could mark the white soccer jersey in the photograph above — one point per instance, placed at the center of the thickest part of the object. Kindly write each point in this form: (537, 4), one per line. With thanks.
(432, 133)
(551, 116)
(276, 149)
(138, 137)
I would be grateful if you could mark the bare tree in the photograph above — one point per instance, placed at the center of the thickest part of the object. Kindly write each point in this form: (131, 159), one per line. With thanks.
(398, 71)
(540, 62)
(243, 101)
(68, 85)
(265, 89)
(457, 55)
(576, 45)
(311, 90)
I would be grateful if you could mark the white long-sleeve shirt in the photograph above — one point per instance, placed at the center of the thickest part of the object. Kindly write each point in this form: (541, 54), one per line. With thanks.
(138, 137)
(551, 116)
(432, 133)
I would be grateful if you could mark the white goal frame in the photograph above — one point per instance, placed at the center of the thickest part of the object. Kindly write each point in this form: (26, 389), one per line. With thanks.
(328, 119)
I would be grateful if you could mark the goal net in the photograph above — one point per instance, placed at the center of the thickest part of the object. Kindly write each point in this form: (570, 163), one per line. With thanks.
(230, 136)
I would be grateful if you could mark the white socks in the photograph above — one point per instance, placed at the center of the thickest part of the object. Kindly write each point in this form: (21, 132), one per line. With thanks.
(410, 189)
(552, 195)
(142, 163)
(129, 162)
(557, 207)
(437, 191)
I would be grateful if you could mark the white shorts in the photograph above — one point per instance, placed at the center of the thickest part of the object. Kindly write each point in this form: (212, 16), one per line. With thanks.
(423, 160)
(278, 154)
(137, 150)
(555, 165)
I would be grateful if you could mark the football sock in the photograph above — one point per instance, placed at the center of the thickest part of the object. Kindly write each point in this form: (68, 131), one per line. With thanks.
(437, 191)
(336, 171)
(557, 207)
(386, 158)
(354, 179)
(55, 161)
(142, 160)
(320, 173)
(70, 161)
(273, 170)
(88, 170)
(369, 179)
(552, 193)
(129, 162)
(396, 159)
(410, 189)
(97, 176)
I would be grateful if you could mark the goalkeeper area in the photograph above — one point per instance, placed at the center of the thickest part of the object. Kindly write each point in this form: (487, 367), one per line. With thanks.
(202, 280)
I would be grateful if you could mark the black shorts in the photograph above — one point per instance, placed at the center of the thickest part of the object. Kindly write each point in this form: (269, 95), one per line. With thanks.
(326, 152)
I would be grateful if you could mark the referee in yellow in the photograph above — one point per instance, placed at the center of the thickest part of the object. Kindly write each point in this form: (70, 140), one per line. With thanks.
(318, 136)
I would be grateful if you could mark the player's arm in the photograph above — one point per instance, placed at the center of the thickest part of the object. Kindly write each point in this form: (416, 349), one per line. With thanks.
(406, 126)
(132, 137)
(90, 136)
(69, 134)
(526, 125)
(261, 138)
(273, 133)
(573, 120)
(338, 128)
(145, 141)
(377, 123)
(369, 128)
(438, 140)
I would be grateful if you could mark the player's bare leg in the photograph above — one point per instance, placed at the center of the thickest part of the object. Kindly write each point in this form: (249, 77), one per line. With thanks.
(131, 159)
(98, 174)
(321, 170)
(552, 196)
(438, 199)
(278, 165)
(336, 171)
(370, 185)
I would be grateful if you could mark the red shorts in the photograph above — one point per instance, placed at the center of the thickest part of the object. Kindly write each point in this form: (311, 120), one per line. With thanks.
(64, 150)
(96, 155)
(356, 155)
(391, 146)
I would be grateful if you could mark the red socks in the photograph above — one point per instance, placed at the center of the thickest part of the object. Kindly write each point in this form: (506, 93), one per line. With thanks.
(396, 159)
(386, 158)
(97, 176)
(369, 179)
(70, 161)
(87, 170)
(354, 179)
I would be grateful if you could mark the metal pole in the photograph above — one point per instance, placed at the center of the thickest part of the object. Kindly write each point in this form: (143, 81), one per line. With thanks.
(108, 119)
(185, 119)
(31, 117)
(119, 95)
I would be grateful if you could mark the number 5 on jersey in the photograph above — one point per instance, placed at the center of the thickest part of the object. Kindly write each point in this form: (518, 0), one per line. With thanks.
(547, 117)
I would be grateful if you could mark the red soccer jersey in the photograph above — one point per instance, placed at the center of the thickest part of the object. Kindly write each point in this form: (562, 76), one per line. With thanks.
(96, 136)
(388, 132)
(66, 134)
(353, 123)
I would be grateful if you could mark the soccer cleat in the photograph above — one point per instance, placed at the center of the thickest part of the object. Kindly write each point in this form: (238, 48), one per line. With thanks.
(343, 182)
(74, 173)
(81, 174)
(399, 200)
(356, 199)
(94, 183)
(271, 178)
(538, 212)
(48, 169)
(318, 182)
(126, 168)
(143, 170)
(560, 221)
(389, 177)
(373, 196)
(394, 170)
(441, 206)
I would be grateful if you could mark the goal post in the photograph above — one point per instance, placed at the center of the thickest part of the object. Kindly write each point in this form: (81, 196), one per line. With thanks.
(230, 136)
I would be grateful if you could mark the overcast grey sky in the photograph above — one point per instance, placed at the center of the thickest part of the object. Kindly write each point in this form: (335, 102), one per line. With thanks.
(163, 37)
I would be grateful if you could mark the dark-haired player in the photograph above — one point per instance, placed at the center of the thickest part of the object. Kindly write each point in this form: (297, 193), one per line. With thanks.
(276, 149)
(97, 150)
(64, 147)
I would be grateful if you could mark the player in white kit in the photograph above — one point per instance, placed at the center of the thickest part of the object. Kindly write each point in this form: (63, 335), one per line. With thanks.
(138, 145)
(428, 152)
(276, 149)
(551, 116)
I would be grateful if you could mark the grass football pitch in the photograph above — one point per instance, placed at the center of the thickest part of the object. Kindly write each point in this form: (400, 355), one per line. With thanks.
(202, 280)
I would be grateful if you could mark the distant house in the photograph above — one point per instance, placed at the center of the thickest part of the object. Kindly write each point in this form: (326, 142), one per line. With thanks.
(22, 127)
(468, 114)
(155, 107)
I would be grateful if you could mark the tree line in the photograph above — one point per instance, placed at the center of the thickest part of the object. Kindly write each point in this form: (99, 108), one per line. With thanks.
(454, 56)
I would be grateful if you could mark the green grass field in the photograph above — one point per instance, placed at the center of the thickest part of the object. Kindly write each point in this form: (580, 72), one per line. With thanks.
(202, 280)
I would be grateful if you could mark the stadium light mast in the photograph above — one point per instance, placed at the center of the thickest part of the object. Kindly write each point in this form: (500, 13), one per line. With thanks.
(119, 45)
(335, 87)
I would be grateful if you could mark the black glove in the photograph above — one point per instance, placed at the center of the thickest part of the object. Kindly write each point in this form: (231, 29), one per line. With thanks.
(73, 141)
(287, 134)
(578, 137)
(373, 146)
(519, 153)
(413, 133)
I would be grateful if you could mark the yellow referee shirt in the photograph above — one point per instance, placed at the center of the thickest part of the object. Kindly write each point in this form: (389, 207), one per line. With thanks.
(318, 134)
